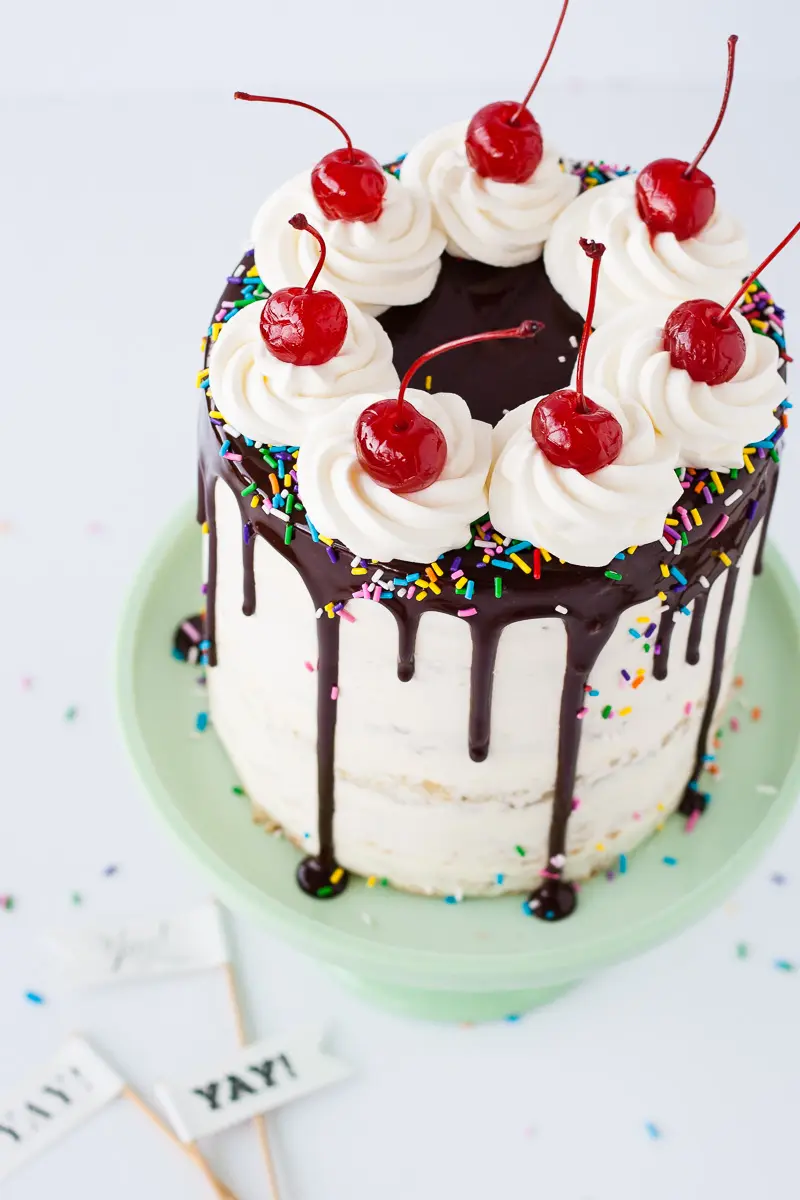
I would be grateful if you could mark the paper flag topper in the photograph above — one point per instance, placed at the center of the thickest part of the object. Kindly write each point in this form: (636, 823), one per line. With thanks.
(144, 949)
(252, 1080)
(59, 1097)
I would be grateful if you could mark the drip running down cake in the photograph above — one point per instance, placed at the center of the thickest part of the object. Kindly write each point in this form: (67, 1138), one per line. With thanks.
(475, 579)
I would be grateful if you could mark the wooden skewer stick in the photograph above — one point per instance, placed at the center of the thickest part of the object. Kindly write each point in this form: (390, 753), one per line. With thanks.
(260, 1122)
(189, 1148)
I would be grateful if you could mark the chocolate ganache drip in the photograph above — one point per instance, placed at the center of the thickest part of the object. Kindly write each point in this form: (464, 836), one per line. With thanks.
(469, 298)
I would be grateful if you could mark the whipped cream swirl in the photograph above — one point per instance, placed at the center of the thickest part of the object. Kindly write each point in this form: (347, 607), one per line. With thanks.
(394, 260)
(344, 502)
(636, 267)
(503, 224)
(710, 424)
(584, 519)
(272, 401)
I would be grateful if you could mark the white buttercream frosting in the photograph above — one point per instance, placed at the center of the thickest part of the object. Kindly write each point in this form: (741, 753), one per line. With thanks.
(710, 425)
(394, 260)
(636, 268)
(503, 224)
(344, 502)
(584, 519)
(272, 401)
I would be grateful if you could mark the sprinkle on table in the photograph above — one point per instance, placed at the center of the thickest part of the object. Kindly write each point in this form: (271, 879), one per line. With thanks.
(34, 997)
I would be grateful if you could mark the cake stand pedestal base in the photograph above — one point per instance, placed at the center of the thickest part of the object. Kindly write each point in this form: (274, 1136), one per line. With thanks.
(442, 1005)
(481, 959)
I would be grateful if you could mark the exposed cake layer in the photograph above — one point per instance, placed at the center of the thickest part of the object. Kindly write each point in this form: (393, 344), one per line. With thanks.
(411, 805)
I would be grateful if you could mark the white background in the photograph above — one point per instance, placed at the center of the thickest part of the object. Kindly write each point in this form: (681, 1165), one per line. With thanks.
(129, 179)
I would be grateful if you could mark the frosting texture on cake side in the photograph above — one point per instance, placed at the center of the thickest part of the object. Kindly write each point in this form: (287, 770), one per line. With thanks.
(411, 805)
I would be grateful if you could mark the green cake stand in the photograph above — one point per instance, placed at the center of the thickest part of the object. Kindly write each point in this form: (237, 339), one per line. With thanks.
(481, 959)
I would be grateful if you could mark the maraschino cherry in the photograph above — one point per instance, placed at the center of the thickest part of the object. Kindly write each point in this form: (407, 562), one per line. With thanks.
(673, 196)
(301, 326)
(397, 446)
(702, 337)
(348, 184)
(569, 428)
(504, 141)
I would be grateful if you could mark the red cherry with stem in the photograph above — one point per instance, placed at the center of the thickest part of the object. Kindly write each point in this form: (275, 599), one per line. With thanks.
(504, 141)
(569, 428)
(301, 326)
(673, 196)
(348, 184)
(711, 350)
(397, 446)
(702, 337)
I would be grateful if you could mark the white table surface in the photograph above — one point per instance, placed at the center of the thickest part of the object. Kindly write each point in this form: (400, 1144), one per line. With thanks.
(121, 215)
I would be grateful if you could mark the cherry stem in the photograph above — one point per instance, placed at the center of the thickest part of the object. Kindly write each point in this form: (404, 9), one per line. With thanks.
(594, 251)
(550, 48)
(726, 312)
(300, 221)
(528, 329)
(732, 40)
(300, 104)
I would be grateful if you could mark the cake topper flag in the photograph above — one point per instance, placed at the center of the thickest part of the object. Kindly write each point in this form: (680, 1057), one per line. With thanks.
(54, 1101)
(151, 949)
(144, 949)
(59, 1097)
(252, 1080)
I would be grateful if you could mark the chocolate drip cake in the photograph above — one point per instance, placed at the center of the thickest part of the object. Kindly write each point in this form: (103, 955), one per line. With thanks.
(503, 669)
